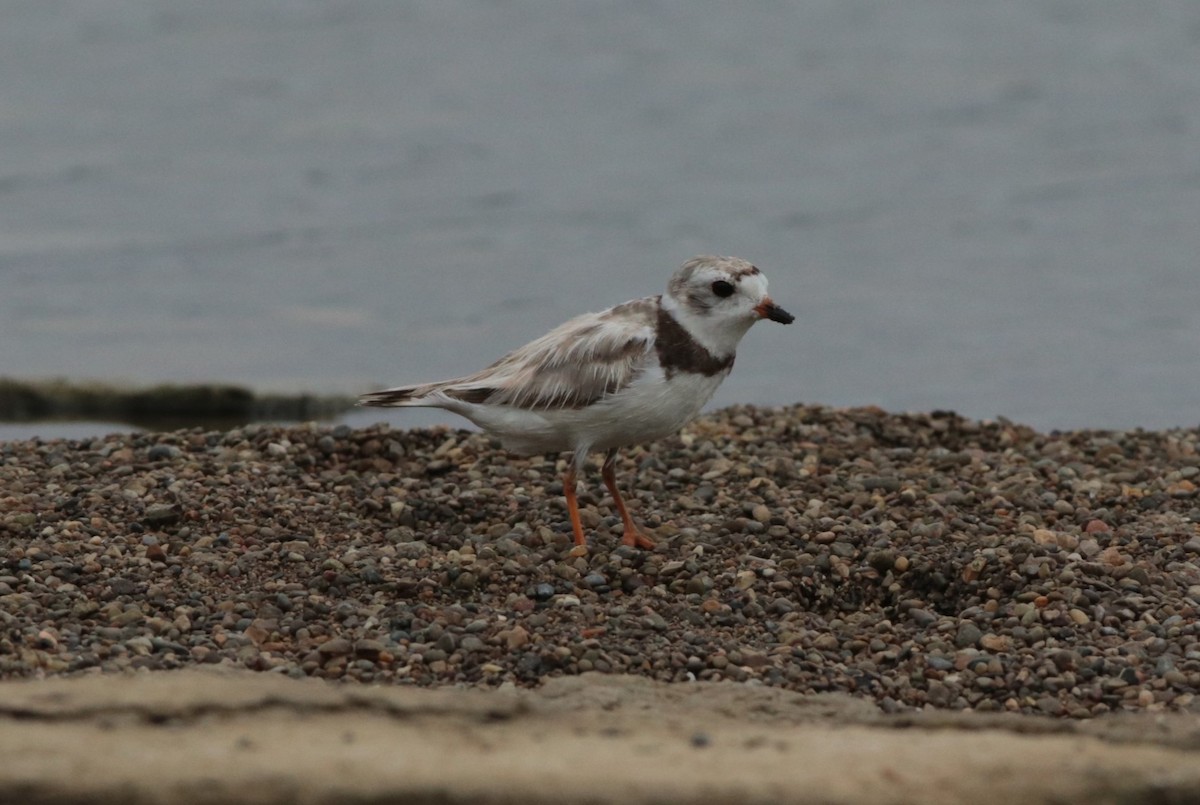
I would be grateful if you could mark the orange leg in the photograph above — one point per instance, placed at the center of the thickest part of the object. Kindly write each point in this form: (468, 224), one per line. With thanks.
(633, 534)
(573, 503)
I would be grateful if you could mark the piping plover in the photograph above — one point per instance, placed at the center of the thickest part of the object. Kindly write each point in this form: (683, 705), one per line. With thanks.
(633, 373)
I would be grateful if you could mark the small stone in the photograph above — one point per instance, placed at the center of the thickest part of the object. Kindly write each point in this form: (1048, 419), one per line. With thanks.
(968, 635)
(412, 550)
(826, 642)
(160, 452)
(158, 515)
(885, 483)
(1068, 542)
(939, 663)
(515, 637)
(754, 659)
(438, 467)
(141, 646)
(1113, 557)
(1113, 683)
(939, 694)
(128, 617)
(1044, 536)
(336, 647)
(881, 561)
(1182, 489)
(923, 617)
(371, 649)
(1050, 705)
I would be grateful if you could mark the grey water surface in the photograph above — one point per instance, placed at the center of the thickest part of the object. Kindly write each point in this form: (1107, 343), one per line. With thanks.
(986, 207)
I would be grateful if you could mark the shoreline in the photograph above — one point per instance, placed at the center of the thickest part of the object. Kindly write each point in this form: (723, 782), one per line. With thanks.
(965, 598)
(916, 560)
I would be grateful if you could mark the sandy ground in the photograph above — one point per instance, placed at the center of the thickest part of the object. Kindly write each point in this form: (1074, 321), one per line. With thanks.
(210, 735)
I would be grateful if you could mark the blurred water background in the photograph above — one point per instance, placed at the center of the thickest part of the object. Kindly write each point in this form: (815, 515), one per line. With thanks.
(986, 207)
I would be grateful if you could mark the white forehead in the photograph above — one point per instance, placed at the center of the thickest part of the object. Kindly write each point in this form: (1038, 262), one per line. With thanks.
(705, 270)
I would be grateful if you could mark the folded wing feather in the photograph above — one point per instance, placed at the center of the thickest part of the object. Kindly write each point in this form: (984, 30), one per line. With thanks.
(572, 366)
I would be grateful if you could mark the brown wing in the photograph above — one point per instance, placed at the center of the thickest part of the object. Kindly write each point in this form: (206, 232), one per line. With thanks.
(572, 366)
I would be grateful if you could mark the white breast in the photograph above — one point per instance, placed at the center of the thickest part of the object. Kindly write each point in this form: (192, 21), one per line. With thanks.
(650, 408)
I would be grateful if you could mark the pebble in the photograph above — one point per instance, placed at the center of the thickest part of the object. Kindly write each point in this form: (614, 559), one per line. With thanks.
(371, 649)
(917, 560)
(335, 647)
(160, 452)
(158, 515)
(968, 635)
(515, 638)
(922, 617)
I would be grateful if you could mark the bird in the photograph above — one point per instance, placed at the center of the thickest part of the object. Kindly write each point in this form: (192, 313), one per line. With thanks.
(634, 373)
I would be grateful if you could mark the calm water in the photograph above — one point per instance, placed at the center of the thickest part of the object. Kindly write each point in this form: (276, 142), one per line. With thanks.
(989, 207)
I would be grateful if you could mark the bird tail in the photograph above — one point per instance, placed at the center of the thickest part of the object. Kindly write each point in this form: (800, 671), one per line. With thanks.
(449, 394)
(402, 397)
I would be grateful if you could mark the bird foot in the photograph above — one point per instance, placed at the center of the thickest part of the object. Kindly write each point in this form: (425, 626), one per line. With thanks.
(638, 540)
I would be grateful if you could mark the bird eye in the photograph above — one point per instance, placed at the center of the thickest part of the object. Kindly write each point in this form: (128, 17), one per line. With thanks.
(722, 288)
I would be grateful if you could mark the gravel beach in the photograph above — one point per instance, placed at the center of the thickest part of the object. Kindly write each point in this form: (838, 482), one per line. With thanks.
(916, 561)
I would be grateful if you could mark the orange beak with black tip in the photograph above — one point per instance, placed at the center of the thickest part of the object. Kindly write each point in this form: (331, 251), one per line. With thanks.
(767, 309)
